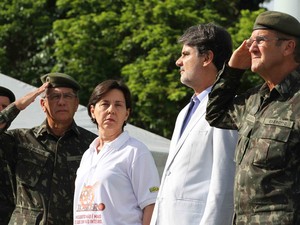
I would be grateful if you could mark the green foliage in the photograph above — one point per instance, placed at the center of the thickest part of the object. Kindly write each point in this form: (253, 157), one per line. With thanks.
(84, 49)
(133, 40)
(22, 29)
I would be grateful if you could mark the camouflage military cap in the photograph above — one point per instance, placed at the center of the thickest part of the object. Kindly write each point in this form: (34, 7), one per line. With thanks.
(8, 93)
(60, 80)
(278, 21)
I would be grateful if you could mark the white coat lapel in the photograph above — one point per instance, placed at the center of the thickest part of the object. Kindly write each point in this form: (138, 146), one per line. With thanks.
(176, 145)
(176, 134)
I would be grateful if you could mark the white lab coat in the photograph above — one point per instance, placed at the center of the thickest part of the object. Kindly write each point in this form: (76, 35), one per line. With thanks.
(197, 183)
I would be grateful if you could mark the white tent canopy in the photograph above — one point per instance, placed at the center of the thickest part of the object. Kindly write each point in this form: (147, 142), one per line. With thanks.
(33, 116)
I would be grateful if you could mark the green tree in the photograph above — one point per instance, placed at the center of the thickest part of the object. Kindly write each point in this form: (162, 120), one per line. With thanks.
(86, 40)
(24, 28)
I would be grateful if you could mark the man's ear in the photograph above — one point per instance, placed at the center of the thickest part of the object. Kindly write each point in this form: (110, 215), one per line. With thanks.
(289, 47)
(208, 58)
(77, 104)
(42, 103)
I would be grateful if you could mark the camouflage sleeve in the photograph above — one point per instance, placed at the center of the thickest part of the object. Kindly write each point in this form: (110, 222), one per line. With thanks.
(7, 115)
(221, 108)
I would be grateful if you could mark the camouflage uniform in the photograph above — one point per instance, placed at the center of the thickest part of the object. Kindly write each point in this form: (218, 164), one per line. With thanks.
(44, 168)
(267, 185)
(7, 203)
(6, 191)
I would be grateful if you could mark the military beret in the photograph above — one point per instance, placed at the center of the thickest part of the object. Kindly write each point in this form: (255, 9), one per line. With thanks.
(8, 93)
(60, 80)
(278, 21)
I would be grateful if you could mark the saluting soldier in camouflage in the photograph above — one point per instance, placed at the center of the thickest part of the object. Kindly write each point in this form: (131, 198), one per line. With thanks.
(267, 184)
(6, 191)
(44, 159)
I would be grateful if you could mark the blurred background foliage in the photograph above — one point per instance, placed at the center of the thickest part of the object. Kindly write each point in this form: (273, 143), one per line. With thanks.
(132, 40)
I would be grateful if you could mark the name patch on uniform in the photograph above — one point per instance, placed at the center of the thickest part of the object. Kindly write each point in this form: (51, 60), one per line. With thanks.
(283, 123)
(250, 118)
(154, 189)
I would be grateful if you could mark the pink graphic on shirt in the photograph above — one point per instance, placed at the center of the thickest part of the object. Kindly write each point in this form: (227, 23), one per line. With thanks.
(88, 211)
(87, 199)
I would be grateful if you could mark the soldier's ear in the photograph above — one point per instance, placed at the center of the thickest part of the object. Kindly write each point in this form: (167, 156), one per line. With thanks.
(42, 103)
(289, 47)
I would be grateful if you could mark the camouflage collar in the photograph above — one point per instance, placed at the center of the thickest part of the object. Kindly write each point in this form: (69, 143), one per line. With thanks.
(44, 129)
(285, 87)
